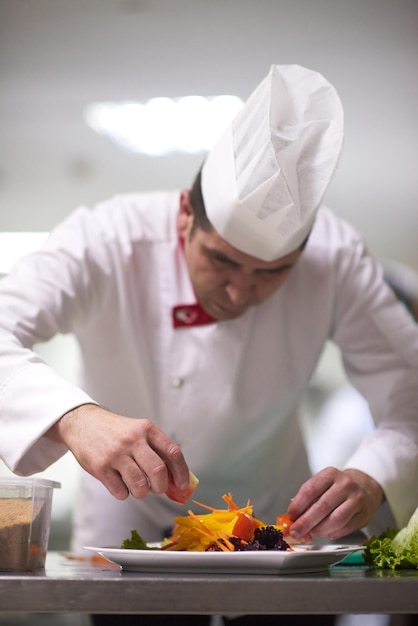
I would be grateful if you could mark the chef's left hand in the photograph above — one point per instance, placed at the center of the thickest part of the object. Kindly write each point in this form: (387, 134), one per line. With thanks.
(334, 503)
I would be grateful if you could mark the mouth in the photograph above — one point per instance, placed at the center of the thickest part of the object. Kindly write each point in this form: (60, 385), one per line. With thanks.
(224, 312)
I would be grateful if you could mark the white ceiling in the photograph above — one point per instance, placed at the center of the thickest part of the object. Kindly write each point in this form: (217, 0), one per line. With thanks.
(58, 55)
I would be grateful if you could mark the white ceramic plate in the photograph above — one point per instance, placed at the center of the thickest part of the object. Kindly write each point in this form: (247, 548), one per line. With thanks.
(303, 559)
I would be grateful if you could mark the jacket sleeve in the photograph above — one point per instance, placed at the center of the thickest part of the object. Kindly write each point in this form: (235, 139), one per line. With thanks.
(379, 343)
(52, 291)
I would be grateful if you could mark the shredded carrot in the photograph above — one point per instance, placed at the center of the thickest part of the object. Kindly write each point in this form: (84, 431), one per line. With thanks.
(200, 532)
(205, 506)
(228, 499)
(230, 502)
(223, 539)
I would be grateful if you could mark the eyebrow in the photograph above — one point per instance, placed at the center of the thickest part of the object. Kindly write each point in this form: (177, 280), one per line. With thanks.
(220, 256)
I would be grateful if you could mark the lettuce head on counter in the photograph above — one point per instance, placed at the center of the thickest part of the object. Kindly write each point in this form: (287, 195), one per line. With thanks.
(394, 549)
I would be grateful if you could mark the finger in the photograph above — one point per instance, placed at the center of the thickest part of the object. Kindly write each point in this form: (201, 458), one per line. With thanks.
(147, 479)
(140, 486)
(135, 473)
(312, 521)
(113, 482)
(310, 492)
(169, 451)
(342, 521)
(333, 512)
(322, 500)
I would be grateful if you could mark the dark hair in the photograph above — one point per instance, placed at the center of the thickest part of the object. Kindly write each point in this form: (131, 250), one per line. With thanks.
(200, 218)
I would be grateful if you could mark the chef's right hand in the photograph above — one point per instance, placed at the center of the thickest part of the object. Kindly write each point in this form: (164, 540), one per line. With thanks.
(122, 452)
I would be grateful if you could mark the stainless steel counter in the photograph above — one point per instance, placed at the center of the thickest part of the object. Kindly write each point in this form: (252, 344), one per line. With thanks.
(69, 585)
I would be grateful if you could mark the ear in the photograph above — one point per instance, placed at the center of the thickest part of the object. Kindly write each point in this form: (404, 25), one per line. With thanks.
(185, 214)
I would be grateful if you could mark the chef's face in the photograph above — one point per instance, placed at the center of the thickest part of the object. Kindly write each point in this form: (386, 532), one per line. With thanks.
(226, 281)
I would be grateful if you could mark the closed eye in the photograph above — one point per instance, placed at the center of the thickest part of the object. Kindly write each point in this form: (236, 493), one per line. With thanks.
(275, 271)
(222, 259)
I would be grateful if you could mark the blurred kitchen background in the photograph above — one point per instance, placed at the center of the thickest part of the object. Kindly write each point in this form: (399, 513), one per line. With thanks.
(58, 57)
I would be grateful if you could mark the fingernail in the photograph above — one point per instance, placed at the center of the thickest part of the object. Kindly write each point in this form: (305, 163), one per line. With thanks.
(295, 534)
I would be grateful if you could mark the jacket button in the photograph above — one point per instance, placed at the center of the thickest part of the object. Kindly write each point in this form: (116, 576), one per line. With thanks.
(177, 382)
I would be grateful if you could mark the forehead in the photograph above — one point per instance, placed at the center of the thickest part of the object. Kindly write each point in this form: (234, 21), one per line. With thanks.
(211, 241)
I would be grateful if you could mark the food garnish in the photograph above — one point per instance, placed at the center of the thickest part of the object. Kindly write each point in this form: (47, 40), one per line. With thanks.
(234, 529)
(285, 522)
(135, 542)
(174, 493)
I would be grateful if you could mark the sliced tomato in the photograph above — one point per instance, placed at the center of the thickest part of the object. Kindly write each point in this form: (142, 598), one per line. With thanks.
(244, 527)
(178, 495)
(285, 523)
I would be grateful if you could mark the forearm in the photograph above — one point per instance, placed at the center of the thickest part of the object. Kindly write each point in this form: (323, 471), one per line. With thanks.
(32, 400)
(69, 426)
(391, 459)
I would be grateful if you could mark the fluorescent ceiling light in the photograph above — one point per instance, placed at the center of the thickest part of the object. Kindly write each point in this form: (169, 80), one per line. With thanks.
(163, 125)
(14, 246)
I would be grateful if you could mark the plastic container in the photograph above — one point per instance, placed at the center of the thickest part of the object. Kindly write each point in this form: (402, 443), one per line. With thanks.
(25, 522)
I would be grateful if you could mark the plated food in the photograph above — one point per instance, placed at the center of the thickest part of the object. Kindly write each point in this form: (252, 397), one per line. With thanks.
(225, 541)
(233, 529)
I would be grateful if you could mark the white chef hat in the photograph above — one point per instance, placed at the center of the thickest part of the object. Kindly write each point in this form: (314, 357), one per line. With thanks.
(265, 178)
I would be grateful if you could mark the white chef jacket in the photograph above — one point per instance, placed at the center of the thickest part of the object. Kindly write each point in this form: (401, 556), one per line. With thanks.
(224, 391)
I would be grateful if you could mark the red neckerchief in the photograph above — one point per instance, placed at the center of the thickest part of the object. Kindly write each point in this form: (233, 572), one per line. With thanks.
(184, 315)
(190, 315)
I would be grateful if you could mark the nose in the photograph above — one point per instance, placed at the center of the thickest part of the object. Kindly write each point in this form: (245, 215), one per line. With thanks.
(240, 291)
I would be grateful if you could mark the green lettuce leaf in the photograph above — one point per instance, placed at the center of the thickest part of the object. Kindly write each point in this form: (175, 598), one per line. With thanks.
(135, 542)
(394, 549)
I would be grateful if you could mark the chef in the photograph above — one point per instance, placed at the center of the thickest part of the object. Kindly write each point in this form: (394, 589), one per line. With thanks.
(200, 315)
